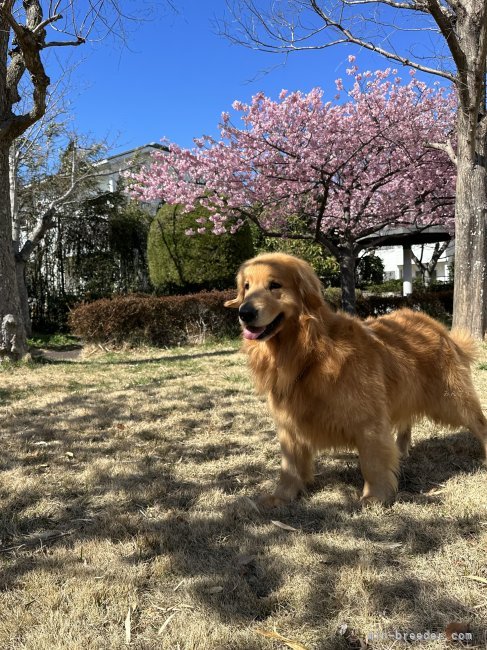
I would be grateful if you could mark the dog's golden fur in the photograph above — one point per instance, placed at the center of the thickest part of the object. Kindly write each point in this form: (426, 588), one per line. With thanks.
(333, 381)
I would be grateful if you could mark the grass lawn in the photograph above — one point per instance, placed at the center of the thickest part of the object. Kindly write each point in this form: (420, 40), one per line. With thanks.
(127, 487)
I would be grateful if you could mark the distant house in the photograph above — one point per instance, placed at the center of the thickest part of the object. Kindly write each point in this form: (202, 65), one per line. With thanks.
(110, 168)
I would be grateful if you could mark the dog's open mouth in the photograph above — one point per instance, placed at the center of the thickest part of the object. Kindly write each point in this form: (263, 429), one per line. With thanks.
(254, 333)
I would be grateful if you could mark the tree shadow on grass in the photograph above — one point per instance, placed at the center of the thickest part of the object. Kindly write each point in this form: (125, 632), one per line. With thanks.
(53, 360)
(230, 556)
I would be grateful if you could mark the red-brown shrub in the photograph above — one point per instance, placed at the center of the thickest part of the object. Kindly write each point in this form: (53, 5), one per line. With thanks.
(161, 321)
(174, 320)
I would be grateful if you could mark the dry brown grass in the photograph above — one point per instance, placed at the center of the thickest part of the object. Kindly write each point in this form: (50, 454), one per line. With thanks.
(127, 518)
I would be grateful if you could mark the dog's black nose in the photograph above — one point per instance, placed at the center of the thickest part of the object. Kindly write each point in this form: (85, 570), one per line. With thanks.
(247, 312)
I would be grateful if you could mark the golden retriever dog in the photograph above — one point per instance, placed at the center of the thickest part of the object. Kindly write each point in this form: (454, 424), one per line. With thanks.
(334, 381)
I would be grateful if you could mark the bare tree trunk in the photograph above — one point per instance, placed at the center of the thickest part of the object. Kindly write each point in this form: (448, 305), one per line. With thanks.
(12, 171)
(23, 295)
(13, 344)
(470, 236)
(16, 230)
(427, 269)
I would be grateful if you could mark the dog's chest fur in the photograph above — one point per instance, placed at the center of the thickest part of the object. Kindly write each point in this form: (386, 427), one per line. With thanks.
(289, 383)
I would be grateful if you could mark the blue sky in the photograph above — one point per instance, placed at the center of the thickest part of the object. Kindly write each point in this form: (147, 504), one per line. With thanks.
(177, 75)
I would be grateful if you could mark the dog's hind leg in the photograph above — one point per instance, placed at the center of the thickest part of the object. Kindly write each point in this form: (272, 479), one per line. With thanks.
(462, 408)
(297, 470)
(403, 441)
(475, 421)
(379, 462)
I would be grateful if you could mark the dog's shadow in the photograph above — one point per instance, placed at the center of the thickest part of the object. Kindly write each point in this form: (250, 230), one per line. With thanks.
(435, 460)
(431, 462)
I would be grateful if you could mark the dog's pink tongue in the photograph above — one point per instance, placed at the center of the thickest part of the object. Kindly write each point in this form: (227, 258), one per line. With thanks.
(253, 333)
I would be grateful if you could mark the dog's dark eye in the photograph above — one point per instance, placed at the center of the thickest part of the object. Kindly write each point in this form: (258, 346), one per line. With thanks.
(274, 285)
(246, 286)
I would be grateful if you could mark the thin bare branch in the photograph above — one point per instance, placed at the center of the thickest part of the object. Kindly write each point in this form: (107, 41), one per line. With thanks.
(274, 33)
(80, 41)
(446, 23)
(46, 22)
(373, 47)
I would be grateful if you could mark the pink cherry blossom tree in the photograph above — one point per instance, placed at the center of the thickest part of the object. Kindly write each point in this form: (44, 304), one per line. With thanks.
(329, 172)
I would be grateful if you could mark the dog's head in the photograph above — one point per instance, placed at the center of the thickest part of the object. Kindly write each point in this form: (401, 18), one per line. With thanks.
(274, 290)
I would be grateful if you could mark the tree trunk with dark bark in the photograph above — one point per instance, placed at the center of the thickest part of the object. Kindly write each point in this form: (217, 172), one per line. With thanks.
(23, 295)
(346, 259)
(13, 343)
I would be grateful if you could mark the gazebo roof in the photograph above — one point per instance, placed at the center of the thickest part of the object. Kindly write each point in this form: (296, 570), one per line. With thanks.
(407, 236)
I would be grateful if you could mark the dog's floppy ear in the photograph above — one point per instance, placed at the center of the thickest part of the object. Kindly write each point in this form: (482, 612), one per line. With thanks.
(309, 288)
(236, 302)
(233, 304)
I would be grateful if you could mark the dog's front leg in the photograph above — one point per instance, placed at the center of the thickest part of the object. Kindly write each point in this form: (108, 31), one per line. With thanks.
(296, 470)
(379, 462)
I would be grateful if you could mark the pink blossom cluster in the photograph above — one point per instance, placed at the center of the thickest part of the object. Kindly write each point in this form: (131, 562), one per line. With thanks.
(346, 168)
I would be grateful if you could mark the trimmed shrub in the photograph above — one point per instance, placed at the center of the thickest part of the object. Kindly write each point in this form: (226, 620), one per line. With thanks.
(438, 304)
(153, 320)
(388, 286)
(395, 286)
(378, 305)
(179, 263)
(175, 320)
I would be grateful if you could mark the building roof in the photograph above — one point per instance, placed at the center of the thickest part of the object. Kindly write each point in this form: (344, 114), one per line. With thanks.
(132, 152)
(407, 236)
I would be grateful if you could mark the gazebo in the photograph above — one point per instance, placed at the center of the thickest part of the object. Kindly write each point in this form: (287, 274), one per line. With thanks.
(406, 237)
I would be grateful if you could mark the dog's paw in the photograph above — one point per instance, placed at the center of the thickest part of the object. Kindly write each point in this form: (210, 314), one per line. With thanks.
(372, 501)
(271, 501)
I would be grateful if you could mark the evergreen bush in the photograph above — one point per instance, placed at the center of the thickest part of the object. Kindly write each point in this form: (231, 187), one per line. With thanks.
(179, 263)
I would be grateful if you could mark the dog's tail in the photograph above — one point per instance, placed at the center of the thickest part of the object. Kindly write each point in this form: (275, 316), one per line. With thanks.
(465, 346)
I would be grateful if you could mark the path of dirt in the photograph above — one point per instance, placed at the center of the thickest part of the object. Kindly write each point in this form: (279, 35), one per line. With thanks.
(66, 353)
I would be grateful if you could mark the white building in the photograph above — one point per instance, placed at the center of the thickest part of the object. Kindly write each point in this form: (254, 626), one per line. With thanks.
(392, 257)
(394, 246)
(111, 168)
